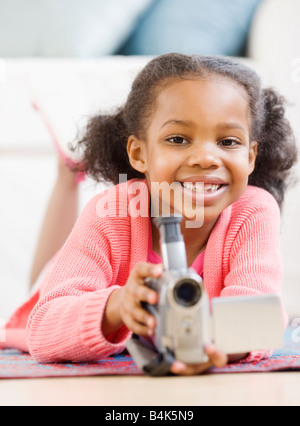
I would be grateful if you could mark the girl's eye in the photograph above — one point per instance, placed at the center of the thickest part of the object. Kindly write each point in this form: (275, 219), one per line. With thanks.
(178, 140)
(229, 142)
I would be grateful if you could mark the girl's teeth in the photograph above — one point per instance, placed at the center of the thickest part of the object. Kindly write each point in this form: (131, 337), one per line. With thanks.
(200, 187)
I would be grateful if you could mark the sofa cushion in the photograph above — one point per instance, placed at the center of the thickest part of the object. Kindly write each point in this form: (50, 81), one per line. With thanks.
(73, 28)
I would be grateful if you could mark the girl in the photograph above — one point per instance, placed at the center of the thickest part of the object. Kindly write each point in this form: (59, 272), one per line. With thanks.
(205, 126)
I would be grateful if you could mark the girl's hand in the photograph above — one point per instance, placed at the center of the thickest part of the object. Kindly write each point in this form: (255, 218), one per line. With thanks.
(216, 359)
(137, 319)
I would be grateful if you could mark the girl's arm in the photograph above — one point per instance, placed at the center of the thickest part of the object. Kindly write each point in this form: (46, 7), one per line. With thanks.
(255, 262)
(65, 325)
(255, 258)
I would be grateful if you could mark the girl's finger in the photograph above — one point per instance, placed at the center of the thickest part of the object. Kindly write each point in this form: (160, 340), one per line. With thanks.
(183, 369)
(141, 293)
(136, 327)
(145, 294)
(146, 270)
(217, 357)
(143, 317)
(138, 288)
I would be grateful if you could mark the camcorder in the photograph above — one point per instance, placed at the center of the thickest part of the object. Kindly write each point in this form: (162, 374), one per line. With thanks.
(186, 321)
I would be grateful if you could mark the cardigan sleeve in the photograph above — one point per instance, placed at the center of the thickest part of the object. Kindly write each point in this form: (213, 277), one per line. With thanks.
(65, 325)
(255, 262)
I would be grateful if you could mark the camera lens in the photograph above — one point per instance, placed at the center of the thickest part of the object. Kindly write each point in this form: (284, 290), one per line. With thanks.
(187, 293)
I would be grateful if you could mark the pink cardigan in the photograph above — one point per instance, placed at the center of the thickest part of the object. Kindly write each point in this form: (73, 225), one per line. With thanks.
(62, 321)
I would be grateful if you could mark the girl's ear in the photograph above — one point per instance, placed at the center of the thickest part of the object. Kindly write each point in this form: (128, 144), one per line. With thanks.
(252, 156)
(137, 154)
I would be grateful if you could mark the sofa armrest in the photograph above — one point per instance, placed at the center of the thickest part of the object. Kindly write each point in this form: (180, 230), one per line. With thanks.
(274, 44)
(275, 31)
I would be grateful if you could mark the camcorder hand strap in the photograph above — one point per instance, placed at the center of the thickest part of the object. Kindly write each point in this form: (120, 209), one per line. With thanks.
(149, 360)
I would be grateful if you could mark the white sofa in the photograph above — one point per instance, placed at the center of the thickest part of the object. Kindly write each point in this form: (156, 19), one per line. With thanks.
(28, 160)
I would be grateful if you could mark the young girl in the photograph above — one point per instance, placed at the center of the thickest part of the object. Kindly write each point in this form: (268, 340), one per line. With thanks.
(205, 125)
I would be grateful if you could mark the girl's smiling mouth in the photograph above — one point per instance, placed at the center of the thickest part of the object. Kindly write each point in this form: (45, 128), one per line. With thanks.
(207, 189)
(200, 187)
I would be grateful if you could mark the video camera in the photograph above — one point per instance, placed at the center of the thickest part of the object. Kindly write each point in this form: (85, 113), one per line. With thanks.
(186, 321)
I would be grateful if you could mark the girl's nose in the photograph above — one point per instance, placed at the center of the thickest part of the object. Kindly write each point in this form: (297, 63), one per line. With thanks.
(204, 156)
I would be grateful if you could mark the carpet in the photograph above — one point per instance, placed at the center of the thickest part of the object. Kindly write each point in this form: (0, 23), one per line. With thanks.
(17, 365)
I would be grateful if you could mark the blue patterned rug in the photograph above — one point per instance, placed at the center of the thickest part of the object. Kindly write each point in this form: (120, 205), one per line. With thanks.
(14, 364)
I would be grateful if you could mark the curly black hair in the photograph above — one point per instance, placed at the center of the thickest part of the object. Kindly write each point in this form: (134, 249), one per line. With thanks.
(103, 146)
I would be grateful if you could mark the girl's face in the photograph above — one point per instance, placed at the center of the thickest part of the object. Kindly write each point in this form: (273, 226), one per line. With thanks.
(199, 141)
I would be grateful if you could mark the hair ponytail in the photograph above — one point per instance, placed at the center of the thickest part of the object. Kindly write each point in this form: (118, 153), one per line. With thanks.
(103, 148)
(277, 151)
